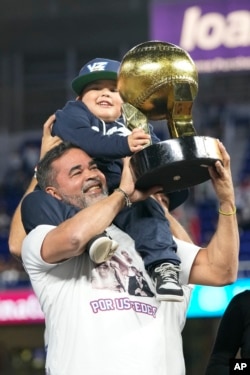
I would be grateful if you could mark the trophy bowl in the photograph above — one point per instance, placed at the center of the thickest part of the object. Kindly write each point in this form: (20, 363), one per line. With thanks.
(175, 164)
(160, 81)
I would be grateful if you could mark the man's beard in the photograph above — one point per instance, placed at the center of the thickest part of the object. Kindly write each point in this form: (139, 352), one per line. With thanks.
(84, 200)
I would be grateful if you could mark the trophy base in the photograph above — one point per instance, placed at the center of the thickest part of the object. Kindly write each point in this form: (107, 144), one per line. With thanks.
(175, 164)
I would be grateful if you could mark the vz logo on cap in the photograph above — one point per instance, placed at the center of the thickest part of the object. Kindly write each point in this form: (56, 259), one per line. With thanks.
(97, 66)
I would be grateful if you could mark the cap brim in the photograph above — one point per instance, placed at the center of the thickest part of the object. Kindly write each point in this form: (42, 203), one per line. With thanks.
(79, 83)
(177, 198)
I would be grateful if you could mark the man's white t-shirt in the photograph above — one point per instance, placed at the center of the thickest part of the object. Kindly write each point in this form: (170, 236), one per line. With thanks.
(105, 320)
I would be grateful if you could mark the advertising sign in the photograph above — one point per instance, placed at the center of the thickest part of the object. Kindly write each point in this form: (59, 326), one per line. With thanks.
(216, 34)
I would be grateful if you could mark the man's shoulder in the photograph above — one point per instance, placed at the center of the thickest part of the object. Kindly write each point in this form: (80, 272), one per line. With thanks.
(38, 197)
(40, 208)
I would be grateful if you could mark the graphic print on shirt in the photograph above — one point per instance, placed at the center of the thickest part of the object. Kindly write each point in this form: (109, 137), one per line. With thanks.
(120, 130)
(115, 127)
(121, 274)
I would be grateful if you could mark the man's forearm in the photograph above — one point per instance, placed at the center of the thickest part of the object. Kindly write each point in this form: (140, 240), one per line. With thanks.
(217, 264)
(223, 250)
(70, 238)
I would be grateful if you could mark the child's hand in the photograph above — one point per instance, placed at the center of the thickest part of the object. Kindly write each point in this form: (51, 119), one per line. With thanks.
(138, 139)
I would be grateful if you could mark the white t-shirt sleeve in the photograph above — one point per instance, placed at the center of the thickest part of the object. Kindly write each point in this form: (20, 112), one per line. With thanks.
(31, 249)
(187, 253)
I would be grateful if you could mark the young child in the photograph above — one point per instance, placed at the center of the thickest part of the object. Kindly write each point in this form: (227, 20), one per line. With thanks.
(93, 122)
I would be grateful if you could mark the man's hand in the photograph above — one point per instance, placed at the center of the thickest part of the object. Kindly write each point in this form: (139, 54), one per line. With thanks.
(48, 141)
(222, 179)
(127, 184)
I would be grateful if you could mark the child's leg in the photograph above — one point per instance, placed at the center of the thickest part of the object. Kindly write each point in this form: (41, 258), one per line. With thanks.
(146, 223)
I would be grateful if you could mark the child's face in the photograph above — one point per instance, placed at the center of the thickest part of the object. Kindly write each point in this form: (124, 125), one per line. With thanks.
(103, 100)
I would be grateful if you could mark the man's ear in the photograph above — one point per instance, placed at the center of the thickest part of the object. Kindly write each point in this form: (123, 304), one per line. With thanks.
(52, 191)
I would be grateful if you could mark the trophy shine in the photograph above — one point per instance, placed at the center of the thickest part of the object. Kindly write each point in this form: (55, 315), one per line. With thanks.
(157, 81)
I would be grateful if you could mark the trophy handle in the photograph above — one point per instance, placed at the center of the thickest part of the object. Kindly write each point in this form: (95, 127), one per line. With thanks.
(179, 110)
(134, 118)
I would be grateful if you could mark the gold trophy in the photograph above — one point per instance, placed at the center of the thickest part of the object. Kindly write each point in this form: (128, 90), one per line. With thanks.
(157, 81)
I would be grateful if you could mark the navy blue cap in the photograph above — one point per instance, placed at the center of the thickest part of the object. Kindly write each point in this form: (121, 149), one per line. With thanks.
(95, 70)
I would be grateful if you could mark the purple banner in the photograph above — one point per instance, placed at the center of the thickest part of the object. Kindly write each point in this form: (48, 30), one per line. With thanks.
(215, 33)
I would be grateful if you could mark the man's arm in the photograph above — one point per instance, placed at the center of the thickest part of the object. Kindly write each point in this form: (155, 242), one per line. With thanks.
(69, 239)
(17, 232)
(217, 264)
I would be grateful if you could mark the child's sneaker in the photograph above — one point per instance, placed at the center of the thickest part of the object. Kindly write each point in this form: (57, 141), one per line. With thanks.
(166, 280)
(101, 248)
